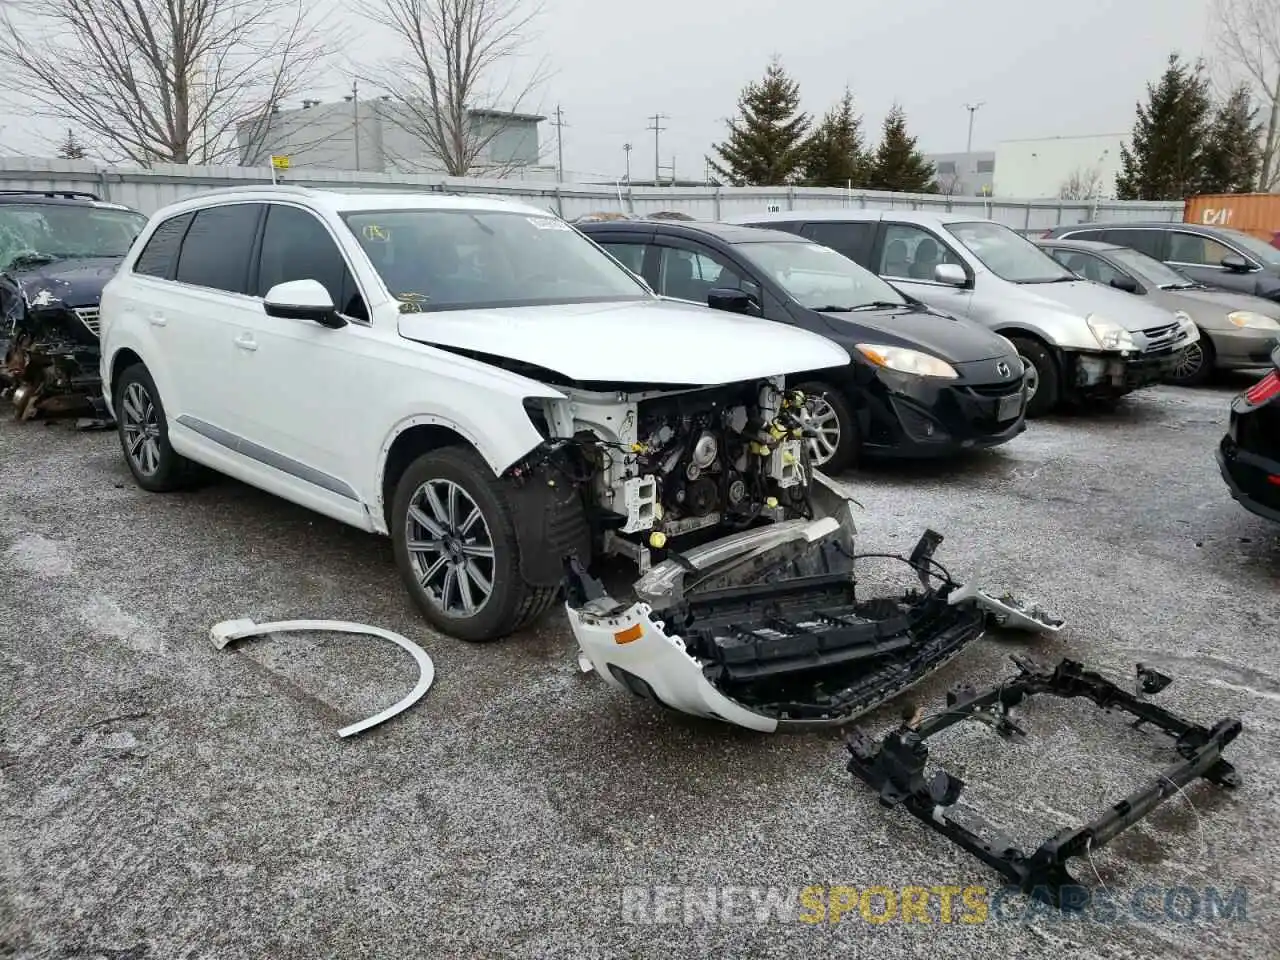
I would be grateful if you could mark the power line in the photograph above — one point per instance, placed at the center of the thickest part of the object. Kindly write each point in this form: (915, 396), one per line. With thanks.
(559, 124)
(657, 129)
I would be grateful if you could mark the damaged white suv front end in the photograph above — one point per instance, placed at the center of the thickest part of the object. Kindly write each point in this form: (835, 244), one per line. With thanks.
(657, 465)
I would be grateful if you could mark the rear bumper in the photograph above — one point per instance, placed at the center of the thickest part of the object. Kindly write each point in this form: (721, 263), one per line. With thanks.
(1247, 477)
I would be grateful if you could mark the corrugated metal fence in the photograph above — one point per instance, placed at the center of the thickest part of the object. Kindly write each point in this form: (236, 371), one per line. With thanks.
(148, 189)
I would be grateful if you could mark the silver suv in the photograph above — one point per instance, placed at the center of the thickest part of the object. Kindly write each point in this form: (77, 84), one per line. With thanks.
(1080, 340)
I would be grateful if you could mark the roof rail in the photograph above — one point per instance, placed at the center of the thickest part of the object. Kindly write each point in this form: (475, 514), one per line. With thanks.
(56, 194)
(257, 188)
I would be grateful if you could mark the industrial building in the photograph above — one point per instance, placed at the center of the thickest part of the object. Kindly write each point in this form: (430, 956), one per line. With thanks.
(378, 136)
(1044, 166)
(964, 174)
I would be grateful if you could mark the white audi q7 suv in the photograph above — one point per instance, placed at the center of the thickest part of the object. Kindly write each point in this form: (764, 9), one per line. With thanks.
(470, 376)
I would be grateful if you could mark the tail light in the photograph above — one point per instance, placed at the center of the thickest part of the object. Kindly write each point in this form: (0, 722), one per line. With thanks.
(1264, 389)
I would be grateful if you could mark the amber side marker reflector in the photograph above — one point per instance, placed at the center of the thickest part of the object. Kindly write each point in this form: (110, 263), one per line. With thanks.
(633, 632)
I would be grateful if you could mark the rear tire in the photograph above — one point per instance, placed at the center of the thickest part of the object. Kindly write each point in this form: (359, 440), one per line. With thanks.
(143, 429)
(454, 533)
(1197, 367)
(1047, 381)
(837, 449)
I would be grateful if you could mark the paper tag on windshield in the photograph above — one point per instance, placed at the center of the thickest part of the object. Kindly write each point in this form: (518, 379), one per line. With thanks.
(547, 223)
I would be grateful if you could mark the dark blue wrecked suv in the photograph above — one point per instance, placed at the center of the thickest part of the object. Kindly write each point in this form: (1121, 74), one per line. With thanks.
(57, 252)
(919, 383)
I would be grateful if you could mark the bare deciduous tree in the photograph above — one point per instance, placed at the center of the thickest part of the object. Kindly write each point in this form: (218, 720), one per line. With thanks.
(455, 88)
(1247, 34)
(161, 81)
(950, 184)
(1084, 183)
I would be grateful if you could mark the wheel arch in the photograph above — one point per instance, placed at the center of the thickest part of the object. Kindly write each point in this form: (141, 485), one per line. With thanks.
(409, 440)
(123, 359)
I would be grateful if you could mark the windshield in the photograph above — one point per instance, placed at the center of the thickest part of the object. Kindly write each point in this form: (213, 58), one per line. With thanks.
(455, 259)
(1256, 248)
(1149, 269)
(1007, 254)
(44, 232)
(819, 278)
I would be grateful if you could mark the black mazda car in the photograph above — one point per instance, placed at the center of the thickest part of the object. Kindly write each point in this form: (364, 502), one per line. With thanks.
(1249, 454)
(57, 252)
(919, 383)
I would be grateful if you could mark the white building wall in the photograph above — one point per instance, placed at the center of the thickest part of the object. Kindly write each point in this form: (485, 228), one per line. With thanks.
(1037, 169)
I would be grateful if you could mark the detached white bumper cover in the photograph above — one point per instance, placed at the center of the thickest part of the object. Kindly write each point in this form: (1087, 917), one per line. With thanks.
(764, 629)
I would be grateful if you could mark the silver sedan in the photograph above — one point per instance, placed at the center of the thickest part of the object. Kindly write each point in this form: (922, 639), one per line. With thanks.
(1236, 330)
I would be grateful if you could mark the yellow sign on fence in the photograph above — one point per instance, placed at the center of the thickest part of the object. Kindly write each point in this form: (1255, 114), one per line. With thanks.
(280, 163)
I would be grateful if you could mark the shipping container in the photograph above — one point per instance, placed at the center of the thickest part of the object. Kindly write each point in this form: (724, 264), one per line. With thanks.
(1253, 213)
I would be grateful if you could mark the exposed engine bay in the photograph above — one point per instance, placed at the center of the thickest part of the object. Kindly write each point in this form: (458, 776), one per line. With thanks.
(766, 629)
(657, 465)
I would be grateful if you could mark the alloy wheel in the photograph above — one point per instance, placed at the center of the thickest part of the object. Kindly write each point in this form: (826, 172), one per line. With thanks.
(141, 423)
(825, 422)
(1032, 376)
(450, 548)
(1189, 363)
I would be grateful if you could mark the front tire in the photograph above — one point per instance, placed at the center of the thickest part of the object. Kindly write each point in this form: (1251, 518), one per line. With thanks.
(1046, 383)
(454, 534)
(143, 429)
(1195, 368)
(835, 448)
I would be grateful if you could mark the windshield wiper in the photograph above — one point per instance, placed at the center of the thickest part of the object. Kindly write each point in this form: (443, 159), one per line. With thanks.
(880, 305)
(1181, 286)
(31, 258)
(832, 308)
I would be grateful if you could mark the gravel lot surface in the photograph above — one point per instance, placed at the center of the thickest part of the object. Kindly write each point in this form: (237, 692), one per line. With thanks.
(160, 799)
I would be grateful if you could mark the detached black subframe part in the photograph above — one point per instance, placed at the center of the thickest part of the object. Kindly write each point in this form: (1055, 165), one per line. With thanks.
(895, 767)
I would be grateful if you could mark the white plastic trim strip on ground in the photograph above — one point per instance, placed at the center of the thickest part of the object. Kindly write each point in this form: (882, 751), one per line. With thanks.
(228, 630)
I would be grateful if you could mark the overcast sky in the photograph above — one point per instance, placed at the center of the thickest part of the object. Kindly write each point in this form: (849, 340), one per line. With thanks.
(1043, 68)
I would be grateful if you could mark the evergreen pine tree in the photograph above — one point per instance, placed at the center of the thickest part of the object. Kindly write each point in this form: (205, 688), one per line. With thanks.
(834, 153)
(71, 148)
(1233, 152)
(897, 164)
(766, 143)
(1165, 160)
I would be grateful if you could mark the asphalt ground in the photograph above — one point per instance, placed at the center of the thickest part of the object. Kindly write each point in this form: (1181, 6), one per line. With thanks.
(161, 799)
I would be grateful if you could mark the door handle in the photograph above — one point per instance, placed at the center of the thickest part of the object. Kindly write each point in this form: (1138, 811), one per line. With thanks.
(246, 342)
(158, 320)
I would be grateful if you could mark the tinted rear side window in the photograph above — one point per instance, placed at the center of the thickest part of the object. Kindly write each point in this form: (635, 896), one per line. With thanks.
(160, 255)
(218, 246)
(1146, 241)
(851, 239)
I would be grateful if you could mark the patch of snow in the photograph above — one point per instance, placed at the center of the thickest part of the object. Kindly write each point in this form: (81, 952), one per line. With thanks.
(40, 557)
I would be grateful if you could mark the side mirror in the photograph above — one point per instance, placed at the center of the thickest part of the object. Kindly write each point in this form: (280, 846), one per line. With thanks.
(730, 299)
(951, 274)
(1127, 284)
(1235, 263)
(303, 300)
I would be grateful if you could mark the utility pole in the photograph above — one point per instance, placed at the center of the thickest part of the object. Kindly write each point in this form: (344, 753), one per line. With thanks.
(968, 146)
(559, 124)
(626, 149)
(355, 119)
(657, 129)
